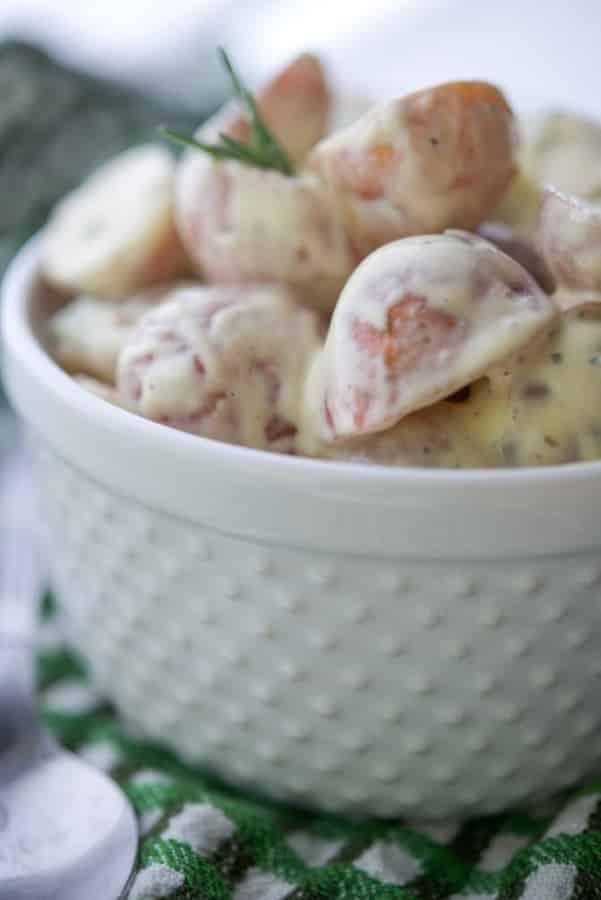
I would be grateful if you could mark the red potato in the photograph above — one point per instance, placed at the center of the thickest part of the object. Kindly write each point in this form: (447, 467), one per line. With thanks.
(540, 407)
(242, 224)
(563, 149)
(434, 159)
(248, 225)
(439, 436)
(295, 105)
(569, 238)
(116, 234)
(418, 320)
(99, 389)
(559, 148)
(522, 248)
(223, 362)
(439, 158)
(86, 335)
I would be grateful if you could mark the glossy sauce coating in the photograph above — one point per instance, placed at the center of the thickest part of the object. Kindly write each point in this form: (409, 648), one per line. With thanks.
(444, 348)
(432, 160)
(221, 362)
(248, 225)
(563, 149)
(569, 238)
(439, 158)
(242, 224)
(541, 407)
(88, 333)
(521, 247)
(116, 234)
(419, 319)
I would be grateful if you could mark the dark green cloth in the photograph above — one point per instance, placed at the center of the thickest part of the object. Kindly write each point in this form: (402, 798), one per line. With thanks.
(56, 125)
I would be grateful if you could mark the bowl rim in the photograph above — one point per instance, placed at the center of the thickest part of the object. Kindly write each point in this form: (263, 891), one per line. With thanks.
(17, 292)
(327, 507)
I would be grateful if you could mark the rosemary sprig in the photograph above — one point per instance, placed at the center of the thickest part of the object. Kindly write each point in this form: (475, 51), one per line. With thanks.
(263, 149)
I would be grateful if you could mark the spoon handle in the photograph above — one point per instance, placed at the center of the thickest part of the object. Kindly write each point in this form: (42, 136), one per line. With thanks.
(66, 831)
(21, 571)
(21, 579)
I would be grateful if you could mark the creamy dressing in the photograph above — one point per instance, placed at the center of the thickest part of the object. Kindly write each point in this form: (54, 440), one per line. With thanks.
(436, 159)
(222, 362)
(116, 233)
(569, 235)
(558, 148)
(88, 333)
(564, 149)
(545, 406)
(441, 350)
(248, 225)
(242, 224)
(542, 407)
(418, 320)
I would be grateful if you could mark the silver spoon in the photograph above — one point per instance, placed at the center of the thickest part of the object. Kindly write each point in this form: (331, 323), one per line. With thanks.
(67, 832)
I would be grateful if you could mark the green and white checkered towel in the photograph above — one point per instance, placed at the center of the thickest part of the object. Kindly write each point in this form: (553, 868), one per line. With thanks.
(202, 841)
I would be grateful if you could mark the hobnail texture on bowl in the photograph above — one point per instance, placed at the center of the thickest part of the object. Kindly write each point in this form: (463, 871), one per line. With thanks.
(320, 633)
(339, 682)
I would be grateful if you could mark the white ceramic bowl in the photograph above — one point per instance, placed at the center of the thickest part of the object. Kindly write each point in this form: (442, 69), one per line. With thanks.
(367, 639)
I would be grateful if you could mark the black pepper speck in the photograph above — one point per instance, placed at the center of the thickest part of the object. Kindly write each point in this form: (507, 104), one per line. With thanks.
(460, 396)
(536, 390)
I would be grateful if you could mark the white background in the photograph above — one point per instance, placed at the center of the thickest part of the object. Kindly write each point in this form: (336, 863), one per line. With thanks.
(542, 52)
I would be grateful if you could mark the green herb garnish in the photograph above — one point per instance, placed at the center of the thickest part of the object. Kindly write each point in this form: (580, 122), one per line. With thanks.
(263, 149)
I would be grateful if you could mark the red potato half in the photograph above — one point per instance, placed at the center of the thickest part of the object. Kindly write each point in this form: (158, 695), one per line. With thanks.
(248, 225)
(295, 105)
(115, 234)
(569, 238)
(542, 406)
(223, 362)
(418, 320)
(242, 224)
(86, 335)
(522, 248)
(432, 160)
(563, 149)
(439, 158)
